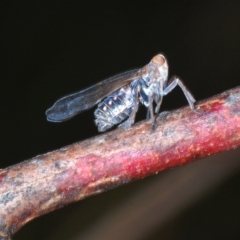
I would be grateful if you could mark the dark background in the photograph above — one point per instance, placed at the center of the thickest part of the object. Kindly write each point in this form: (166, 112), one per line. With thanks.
(52, 48)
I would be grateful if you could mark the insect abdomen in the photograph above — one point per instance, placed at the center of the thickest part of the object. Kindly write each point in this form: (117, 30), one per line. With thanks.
(114, 109)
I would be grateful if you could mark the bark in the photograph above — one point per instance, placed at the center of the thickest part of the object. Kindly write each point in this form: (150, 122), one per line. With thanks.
(50, 181)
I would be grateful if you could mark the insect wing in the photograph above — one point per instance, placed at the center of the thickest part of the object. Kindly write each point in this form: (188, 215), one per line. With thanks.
(68, 106)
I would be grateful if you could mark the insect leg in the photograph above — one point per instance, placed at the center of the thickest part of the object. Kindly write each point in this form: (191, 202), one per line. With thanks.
(158, 104)
(150, 109)
(173, 83)
(148, 114)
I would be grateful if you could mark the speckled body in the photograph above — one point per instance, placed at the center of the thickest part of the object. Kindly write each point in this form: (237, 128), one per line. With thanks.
(114, 109)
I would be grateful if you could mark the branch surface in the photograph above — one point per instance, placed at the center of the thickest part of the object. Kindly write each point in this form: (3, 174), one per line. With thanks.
(50, 181)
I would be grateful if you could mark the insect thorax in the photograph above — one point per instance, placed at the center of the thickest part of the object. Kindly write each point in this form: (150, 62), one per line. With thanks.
(151, 84)
(114, 109)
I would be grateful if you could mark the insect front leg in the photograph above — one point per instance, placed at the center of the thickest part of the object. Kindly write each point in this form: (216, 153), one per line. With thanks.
(173, 83)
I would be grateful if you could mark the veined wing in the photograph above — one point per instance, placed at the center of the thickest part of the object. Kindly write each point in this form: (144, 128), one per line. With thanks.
(68, 106)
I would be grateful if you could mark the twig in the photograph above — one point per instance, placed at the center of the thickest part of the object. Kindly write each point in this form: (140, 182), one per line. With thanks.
(50, 181)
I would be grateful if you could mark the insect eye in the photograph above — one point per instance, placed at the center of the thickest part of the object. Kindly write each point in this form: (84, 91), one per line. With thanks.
(159, 60)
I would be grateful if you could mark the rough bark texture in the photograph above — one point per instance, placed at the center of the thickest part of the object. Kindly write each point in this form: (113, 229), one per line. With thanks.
(50, 181)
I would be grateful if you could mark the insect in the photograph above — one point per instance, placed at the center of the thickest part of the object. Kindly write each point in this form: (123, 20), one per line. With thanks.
(118, 97)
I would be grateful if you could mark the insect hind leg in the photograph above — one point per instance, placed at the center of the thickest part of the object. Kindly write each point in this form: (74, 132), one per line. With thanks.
(158, 104)
(173, 83)
(152, 116)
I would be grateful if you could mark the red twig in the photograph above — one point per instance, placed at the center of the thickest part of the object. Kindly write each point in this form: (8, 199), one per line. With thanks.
(50, 181)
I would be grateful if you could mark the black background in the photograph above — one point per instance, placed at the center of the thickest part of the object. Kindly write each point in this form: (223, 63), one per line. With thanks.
(53, 48)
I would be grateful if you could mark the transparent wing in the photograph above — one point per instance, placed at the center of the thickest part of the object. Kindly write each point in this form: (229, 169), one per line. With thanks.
(68, 106)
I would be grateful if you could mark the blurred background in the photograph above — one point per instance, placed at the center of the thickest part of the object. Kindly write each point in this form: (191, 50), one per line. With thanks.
(52, 48)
